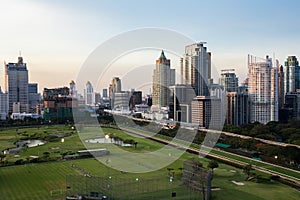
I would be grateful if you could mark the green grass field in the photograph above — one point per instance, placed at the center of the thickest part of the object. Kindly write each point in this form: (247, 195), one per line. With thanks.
(37, 181)
(47, 180)
(242, 159)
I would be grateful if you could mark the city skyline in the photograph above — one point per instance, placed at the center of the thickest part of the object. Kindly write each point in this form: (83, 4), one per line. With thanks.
(57, 38)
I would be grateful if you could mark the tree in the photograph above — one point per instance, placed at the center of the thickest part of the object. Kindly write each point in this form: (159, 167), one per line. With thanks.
(247, 170)
(63, 155)
(111, 137)
(212, 165)
(135, 144)
(46, 155)
(19, 162)
(169, 170)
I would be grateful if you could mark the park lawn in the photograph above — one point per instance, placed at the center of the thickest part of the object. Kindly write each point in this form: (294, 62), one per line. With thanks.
(96, 132)
(37, 181)
(257, 163)
(251, 190)
(241, 159)
(55, 148)
(222, 179)
(33, 181)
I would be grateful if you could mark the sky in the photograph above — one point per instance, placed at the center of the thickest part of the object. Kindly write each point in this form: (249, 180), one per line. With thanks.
(56, 37)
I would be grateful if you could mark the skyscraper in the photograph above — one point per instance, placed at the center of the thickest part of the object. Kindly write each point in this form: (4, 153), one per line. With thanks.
(116, 84)
(163, 77)
(89, 94)
(114, 87)
(291, 75)
(16, 84)
(263, 90)
(196, 68)
(237, 105)
(229, 80)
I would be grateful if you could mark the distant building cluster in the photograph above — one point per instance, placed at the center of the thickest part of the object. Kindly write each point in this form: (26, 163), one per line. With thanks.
(271, 92)
(20, 97)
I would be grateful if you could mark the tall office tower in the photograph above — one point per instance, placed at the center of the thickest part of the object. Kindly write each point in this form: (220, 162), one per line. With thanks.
(291, 75)
(263, 90)
(280, 86)
(207, 112)
(104, 93)
(229, 80)
(163, 77)
(89, 94)
(114, 87)
(16, 84)
(73, 91)
(34, 98)
(116, 84)
(196, 68)
(181, 97)
(3, 105)
(237, 105)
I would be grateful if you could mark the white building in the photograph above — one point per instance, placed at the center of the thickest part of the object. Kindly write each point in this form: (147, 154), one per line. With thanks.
(196, 68)
(89, 95)
(263, 90)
